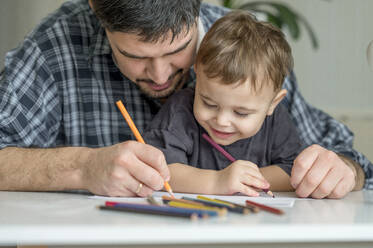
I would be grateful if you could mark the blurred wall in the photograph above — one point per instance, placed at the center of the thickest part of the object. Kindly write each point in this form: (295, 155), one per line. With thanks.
(18, 17)
(337, 76)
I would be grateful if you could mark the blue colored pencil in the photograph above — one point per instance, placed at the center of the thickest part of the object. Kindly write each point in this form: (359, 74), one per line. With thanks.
(156, 212)
(160, 209)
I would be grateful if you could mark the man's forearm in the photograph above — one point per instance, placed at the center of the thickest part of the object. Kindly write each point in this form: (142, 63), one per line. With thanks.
(28, 169)
(358, 171)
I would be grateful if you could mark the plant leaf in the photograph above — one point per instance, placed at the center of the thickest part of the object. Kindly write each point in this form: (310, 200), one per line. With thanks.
(227, 3)
(281, 15)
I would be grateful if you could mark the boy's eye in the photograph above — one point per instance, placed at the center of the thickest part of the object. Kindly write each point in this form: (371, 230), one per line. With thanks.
(209, 105)
(241, 114)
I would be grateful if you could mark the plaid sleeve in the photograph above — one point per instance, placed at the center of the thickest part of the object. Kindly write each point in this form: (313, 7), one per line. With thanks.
(316, 127)
(29, 113)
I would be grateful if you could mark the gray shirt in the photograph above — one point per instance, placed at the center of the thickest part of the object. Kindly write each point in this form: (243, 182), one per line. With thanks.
(175, 131)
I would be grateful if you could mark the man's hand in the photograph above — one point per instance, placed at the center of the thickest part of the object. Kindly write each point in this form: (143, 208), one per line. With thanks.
(118, 170)
(320, 173)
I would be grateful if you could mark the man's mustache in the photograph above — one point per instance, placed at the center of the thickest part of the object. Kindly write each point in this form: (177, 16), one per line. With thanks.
(146, 80)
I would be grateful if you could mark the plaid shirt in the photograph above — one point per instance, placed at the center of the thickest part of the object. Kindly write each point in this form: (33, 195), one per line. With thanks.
(60, 85)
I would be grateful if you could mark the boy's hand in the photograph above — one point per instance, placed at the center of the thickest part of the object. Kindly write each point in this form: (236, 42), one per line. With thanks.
(241, 177)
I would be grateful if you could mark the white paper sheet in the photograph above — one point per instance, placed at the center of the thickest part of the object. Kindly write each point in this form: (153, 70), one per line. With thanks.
(278, 201)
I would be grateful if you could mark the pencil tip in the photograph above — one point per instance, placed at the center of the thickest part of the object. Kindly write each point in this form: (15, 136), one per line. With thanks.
(171, 193)
(168, 189)
(270, 193)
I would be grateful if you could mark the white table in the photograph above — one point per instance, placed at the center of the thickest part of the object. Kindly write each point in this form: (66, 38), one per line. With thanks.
(68, 219)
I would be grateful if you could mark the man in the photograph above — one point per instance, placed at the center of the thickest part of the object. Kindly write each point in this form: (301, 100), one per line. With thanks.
(59, 88)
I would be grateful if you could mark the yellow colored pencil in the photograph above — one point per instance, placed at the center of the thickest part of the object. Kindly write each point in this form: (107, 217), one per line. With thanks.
(215, 200)
(220, 211)
(167, 199)
(138, 136)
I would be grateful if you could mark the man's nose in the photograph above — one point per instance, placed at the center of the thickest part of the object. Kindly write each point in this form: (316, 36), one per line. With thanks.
(159, 70)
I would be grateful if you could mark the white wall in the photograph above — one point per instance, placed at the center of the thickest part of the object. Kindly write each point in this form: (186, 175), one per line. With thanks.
(336, 77)
(18, 17)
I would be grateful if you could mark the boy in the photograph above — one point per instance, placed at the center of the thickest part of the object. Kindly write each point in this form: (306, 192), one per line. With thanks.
(240, 67)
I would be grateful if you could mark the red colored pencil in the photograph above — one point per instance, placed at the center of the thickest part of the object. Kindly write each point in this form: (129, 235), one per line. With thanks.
(264, 207)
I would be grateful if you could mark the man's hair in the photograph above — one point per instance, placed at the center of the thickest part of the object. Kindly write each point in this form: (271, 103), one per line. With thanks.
(152, 20)
(238, 47)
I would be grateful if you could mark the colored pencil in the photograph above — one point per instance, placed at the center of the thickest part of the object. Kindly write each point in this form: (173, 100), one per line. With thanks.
(207, 202)
(265, 208)
(219, 205)
(167, 199)
(150, 199)
(176, 204)
(253, 209)
(233, 207)
(218, 201)
(192, 216)
(145, 207)
(138, 136)
(228, 156)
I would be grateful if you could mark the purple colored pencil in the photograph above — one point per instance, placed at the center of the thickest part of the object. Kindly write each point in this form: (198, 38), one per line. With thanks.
(227, 155)
(219, 148)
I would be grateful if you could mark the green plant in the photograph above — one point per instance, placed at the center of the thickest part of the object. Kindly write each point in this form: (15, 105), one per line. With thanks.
(280, 15)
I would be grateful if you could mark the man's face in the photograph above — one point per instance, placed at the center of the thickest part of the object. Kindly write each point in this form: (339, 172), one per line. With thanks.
(230, 112)
(157, 68)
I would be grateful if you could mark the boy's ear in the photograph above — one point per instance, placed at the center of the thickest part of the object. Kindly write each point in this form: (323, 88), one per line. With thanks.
(276, 100)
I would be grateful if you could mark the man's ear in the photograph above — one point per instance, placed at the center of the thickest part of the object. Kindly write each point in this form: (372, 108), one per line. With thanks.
(90, 4)
(276, 100)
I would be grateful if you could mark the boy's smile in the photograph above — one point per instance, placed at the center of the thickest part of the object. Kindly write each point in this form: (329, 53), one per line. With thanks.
(221, 134)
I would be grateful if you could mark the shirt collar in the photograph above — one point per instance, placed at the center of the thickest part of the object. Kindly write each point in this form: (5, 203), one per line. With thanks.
(201, 33)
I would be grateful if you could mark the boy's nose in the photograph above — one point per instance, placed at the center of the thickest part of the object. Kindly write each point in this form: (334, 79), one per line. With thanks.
(222, 119)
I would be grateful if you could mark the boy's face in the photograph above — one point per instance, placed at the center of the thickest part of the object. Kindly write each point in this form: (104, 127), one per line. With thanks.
(232, 112)
(157, 68)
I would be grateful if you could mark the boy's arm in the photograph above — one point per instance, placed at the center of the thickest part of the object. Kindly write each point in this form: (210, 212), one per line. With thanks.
(189, 179)
(277, 178)
(241, 176)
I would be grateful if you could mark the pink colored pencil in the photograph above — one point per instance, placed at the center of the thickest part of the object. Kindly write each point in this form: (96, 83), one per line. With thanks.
(228, 156)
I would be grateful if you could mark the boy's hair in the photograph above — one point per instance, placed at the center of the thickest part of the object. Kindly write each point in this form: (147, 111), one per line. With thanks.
(238, 47)
(150, 19)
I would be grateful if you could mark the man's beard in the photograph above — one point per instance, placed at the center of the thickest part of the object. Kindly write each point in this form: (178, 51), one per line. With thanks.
(161, 94)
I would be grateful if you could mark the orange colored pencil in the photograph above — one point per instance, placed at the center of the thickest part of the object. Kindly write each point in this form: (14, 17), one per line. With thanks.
(138, 136)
